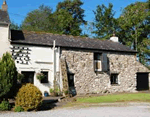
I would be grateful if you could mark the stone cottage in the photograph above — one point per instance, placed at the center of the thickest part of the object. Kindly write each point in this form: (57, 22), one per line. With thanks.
(80, 65)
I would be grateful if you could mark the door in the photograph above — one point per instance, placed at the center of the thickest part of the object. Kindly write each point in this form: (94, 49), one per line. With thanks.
(28, 77)
(72, 89)
(142, 81)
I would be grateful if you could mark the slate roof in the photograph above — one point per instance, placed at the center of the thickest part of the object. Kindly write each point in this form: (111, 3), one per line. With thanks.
(4, 17)
(36, 38)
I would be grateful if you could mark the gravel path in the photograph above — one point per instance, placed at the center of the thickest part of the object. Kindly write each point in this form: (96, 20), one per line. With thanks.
(131, 110)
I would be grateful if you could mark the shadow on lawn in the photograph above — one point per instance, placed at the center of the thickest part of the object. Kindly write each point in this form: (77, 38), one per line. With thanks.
(48, 104)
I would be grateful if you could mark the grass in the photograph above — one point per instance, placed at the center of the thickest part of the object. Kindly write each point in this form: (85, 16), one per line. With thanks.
(128, 97)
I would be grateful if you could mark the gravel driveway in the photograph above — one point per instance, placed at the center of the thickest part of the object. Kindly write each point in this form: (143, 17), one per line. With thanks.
(131, 110)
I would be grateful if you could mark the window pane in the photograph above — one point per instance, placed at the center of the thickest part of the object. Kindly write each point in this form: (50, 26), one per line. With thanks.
(97, 56)
(97, 65)
(114, 79)
(45, 80)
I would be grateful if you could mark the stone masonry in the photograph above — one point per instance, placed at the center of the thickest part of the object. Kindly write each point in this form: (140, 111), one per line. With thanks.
(81, 64)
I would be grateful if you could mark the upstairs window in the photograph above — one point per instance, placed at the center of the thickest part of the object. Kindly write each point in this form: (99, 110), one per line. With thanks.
(45, 80)
(100, 62)
(97, 61)
(114, 78)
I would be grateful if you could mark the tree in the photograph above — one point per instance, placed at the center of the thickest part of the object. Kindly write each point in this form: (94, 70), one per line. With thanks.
(8, 76)
(105, 23)
(70, 17)
(135, 28)
(38, 20)
(14, 26)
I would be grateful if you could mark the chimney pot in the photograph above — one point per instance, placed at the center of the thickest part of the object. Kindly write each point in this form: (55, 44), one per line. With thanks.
(114, 38)
(4, 6)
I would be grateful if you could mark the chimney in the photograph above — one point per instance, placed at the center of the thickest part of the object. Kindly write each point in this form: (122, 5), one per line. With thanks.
(4, 6)
(114, 38)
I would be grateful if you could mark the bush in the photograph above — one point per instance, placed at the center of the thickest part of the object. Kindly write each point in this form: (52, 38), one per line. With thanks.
(51, 90)
(29, 97)
(40, 76)
(18, 109)
(8, 76)
(57, 91)
(4, 105)
(20, 77)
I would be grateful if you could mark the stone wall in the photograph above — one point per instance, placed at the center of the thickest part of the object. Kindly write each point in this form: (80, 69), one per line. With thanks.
(81, 64)
(64, 77)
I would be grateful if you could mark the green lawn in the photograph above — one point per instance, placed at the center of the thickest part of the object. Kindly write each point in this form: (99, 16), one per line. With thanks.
(143, 97)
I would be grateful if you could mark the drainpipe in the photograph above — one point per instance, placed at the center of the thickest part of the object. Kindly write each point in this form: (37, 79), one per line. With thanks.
(54, 59)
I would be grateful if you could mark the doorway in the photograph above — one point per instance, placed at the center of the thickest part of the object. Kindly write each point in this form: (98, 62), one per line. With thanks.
(142, 81)
(72, 89)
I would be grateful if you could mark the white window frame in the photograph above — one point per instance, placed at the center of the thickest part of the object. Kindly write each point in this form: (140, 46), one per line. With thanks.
(98, 61)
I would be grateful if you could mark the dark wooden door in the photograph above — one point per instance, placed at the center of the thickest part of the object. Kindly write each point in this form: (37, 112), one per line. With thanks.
(72, 89)
(142, 81)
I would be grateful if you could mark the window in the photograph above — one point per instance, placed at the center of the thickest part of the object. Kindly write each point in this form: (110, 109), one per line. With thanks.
(114, 79)
(45, 80)
(97, 61)
(28, 77)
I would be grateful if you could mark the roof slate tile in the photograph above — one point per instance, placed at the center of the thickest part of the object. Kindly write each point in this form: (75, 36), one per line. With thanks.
(66, 41)
(4, 17)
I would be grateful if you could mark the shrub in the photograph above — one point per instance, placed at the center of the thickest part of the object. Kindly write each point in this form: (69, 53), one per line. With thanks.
(51, 90)
(4, 105)
(57, 91)
(29, 97)
(66, 92)
(20, 77)
(18, 109)
(8, 76)
(40, 76)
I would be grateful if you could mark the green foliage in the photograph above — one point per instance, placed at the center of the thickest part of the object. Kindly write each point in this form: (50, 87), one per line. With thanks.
(40, 76)
(14, 26)
(8, 76)
(66, 92)
(70, 16)
(67, 18)
(57, 91)
(51, 90)
(20, 76)
(4, 105)
(29, 97)
(105, 23)
(18, 109)
(135, 27)
(38, 19)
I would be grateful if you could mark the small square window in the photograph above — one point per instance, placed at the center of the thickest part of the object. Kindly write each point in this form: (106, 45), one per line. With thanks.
(114, 78)
(45, 80)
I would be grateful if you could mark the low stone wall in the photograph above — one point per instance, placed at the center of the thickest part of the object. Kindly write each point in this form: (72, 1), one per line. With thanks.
(81, 64)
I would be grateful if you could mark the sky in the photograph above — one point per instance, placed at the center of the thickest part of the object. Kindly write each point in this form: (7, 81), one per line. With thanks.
(18, 9)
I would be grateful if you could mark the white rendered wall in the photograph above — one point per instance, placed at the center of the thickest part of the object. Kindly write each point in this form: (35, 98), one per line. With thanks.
(4, 41)
(41, 59)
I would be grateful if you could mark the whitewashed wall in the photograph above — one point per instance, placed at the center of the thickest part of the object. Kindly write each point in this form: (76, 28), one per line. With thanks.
(41, 59)
(4, 39)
